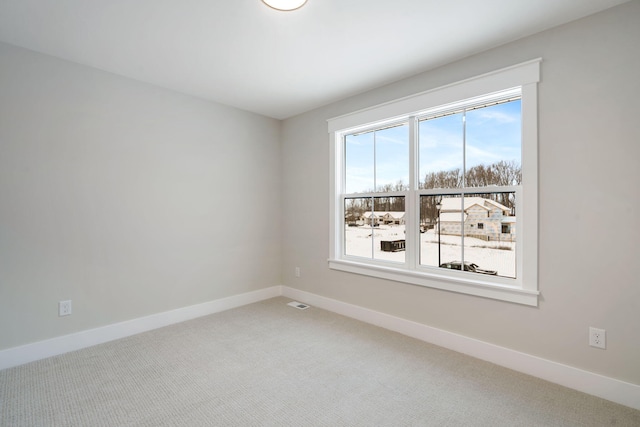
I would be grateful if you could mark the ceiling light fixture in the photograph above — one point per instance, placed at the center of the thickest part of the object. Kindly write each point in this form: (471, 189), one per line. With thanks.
(285, 4)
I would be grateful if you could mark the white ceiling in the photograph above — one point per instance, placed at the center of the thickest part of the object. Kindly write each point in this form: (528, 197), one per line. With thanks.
(279, 64)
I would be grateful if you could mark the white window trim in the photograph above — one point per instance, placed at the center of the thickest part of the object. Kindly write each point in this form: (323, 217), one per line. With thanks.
(524, 289)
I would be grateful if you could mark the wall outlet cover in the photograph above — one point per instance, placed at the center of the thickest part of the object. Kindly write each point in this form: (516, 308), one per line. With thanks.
(64, 308)
(597, 338)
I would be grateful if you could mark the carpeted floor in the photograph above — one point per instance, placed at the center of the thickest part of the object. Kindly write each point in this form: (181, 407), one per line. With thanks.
(268, 364)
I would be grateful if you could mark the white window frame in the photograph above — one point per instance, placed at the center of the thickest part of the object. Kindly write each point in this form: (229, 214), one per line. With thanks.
(522, 78)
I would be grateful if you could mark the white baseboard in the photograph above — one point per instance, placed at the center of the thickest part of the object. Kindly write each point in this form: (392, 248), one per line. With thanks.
(598, 385)
(52, 347)
(587, 382)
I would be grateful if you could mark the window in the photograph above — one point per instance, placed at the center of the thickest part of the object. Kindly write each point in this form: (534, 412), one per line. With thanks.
(412, 179)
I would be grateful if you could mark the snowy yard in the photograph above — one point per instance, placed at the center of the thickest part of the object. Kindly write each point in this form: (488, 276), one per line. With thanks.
(359, 242)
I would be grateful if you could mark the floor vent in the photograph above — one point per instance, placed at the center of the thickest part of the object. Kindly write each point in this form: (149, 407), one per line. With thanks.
(298, 305)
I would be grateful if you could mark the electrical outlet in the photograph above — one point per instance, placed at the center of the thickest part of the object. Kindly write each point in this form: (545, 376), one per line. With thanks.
(297, 271)
(64, 308)
(597, 338)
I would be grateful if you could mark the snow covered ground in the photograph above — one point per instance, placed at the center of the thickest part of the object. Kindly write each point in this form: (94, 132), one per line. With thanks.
(486, 254)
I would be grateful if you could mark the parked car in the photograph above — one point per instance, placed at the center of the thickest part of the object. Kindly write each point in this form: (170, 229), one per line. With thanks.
(468, 266)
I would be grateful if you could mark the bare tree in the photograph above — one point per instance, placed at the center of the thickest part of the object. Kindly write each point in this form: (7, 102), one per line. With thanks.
(502, 173)
(443, 179)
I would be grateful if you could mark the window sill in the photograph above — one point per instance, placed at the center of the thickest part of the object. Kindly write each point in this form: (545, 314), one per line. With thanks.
(440, 281)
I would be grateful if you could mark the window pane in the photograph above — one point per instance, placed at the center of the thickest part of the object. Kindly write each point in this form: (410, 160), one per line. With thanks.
(359, 163)
(440, 152)
(392, 158)
(375, 233)
(440, 229)
(493, 145)
(358, 227)
(377, 160)
(389, 230)
(490, 249)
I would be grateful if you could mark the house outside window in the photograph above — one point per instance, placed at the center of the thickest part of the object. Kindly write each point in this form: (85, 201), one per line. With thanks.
(429, 184)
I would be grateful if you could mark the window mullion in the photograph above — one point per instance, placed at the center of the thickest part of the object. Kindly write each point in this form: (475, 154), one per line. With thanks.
(373, 200)
(375, 163)
(411, 203)
(371, 221)
(464, 183)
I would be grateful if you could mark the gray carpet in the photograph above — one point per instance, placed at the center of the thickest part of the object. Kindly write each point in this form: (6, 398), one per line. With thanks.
(268, 364)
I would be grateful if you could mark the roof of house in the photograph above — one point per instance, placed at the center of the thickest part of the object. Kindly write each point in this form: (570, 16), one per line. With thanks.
(393, 214)
(453, 204)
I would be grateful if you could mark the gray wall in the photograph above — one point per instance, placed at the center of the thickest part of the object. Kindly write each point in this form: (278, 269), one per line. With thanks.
(126, 198)
(589, 171)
